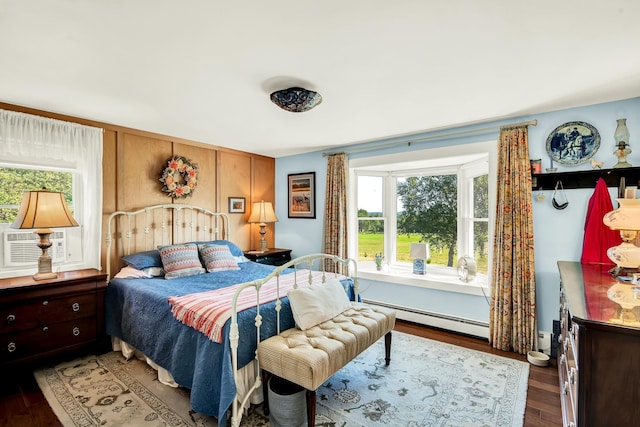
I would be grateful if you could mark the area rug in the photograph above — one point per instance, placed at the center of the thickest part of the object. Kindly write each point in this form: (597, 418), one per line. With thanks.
(428, 383)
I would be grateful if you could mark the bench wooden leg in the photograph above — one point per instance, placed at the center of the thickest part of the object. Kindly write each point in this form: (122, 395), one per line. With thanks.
(311, 408)
(265, 391)
(387, 348)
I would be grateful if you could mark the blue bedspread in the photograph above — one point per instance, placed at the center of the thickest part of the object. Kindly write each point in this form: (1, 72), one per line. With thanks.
(137, 312)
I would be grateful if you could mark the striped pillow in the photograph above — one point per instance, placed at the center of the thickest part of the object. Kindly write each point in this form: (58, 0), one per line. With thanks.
(217, 258)
(180, 261)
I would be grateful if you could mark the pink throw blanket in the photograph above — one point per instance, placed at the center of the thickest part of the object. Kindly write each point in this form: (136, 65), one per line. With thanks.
(208, 311)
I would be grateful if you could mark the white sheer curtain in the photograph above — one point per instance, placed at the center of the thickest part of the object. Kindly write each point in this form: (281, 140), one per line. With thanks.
(26, 139)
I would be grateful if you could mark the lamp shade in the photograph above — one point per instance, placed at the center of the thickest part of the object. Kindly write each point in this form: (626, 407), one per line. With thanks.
(262, 212)
(43, 209)
(419, 251)
(622, 132)
(296, 99)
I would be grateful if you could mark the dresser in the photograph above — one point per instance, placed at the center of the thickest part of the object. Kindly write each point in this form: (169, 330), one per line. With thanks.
(273, 256)
(598, 347)
(46, 317)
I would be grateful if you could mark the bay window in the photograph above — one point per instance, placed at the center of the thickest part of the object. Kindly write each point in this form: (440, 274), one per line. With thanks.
(443, 201)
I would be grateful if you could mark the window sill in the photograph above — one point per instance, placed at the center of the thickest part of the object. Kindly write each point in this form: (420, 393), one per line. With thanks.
(439, 278)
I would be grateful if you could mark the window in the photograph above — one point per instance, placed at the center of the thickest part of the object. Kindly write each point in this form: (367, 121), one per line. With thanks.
(14, 181)
(371, 222)
(443, 201)
(62, 156)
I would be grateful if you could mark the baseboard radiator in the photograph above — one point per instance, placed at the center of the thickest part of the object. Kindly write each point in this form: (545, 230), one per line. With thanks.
(437, 320)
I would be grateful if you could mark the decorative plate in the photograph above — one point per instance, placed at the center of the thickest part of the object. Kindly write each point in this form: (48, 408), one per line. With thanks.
(573, 143)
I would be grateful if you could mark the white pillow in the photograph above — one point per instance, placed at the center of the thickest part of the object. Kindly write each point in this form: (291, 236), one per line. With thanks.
(129, 272)
(315, 304)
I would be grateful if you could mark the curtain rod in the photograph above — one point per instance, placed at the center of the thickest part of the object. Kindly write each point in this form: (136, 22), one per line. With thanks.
(430, 138)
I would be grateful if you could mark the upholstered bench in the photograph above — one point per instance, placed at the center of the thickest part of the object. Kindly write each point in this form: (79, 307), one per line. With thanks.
(310, 357)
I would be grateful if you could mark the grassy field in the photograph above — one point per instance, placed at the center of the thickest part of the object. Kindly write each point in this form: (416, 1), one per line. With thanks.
(369, 244)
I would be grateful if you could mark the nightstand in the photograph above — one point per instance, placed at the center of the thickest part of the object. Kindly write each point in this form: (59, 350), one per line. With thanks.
(41, 318)
(273, 256)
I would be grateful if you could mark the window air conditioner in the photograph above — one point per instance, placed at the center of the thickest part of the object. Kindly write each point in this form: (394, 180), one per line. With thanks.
(21, 249)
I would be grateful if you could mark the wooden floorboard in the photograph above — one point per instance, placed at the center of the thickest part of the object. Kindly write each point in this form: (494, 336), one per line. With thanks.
(23, 404)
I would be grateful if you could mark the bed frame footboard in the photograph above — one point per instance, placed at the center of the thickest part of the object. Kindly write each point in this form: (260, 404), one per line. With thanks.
(300, 356)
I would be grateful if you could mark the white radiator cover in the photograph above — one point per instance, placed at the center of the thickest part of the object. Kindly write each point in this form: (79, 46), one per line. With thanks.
(437, 320)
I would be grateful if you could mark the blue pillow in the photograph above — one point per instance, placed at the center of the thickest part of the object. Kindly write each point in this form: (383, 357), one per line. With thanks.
(142, 260)
(235, 250)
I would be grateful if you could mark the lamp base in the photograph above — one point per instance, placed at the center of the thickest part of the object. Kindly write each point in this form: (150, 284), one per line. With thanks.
(44, 262)
(419, 266)
(263, 241)
(44, 276)
(620, 271)
(625, 255)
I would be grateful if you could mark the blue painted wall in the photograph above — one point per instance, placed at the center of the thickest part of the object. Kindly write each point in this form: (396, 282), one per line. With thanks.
(558, 233)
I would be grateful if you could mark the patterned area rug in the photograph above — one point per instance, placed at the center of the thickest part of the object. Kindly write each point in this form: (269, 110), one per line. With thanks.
(428, 383)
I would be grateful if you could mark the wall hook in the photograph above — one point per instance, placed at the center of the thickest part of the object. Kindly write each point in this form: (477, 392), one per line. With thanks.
(555, 202)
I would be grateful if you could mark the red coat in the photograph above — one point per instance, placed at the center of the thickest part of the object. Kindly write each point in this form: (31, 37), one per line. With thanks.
(597, 236)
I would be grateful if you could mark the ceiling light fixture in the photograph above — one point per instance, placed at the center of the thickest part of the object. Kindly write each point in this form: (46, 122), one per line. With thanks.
(296, 99)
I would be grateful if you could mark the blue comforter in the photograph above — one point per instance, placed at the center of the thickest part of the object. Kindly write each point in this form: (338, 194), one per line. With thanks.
(137, 311)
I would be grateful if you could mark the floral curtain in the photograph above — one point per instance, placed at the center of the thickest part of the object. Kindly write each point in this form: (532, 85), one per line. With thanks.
(512, 323)
(335, 217)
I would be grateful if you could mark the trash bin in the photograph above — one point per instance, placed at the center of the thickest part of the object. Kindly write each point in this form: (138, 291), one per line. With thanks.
(287, 403)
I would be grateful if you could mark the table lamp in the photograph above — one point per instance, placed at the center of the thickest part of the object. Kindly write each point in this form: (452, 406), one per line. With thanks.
(626, 219)
(43, 210)
(420, 254)
(262, 213)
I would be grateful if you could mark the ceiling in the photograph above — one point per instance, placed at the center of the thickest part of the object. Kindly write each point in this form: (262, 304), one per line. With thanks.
(203, 69)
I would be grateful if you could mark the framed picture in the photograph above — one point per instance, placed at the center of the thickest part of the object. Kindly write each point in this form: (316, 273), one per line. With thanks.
(302, 195)
(573, 143)
(236, 204)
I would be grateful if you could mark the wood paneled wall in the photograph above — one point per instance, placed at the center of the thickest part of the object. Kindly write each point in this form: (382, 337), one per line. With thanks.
(133, 161)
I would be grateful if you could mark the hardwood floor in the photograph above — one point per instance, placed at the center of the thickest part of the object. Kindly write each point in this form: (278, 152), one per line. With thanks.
(23, 405)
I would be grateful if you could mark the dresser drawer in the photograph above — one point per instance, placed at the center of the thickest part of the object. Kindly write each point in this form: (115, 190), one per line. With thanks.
(44, 312)
(56, 336)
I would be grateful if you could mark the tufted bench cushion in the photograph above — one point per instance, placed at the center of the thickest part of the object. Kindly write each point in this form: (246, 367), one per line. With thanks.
(308, 358)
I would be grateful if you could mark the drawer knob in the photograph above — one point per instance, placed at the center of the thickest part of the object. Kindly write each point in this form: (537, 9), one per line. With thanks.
(572, 376)
(11, 318)
(11, 347)
(76, 331)
(563, 359)
(565, 388)
(45, 329)
(75, 306)
(45, 302)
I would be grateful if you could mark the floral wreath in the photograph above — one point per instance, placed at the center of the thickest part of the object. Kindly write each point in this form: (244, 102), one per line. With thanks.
(179, 178)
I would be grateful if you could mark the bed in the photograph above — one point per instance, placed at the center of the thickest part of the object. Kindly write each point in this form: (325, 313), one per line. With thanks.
(138, 315)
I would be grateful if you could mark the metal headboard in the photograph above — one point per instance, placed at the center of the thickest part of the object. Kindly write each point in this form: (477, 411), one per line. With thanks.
(147, 228)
